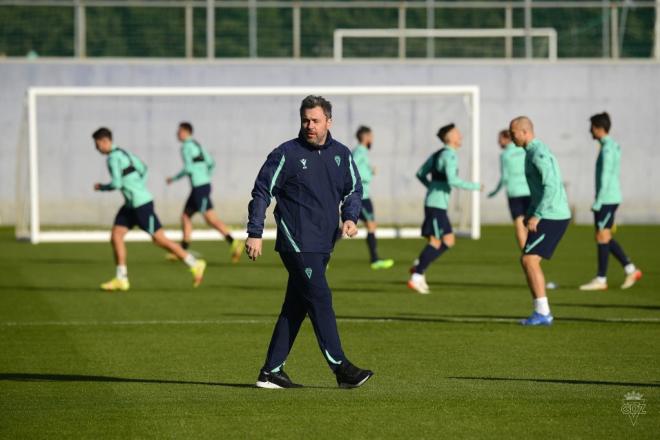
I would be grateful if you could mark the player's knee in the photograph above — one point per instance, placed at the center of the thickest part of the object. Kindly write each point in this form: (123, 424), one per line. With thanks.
(529, 261)
(603, 236)
(371, 226)
(435, 242)
(449, 240)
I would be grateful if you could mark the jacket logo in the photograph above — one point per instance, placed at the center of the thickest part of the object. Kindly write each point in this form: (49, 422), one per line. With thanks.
(338, 160)
(304, 163)
(308, 272)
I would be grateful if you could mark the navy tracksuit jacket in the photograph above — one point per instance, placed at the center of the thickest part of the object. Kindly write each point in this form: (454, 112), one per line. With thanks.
(310, 185)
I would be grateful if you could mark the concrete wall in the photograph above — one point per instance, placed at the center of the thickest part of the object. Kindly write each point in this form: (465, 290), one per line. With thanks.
(558, 97)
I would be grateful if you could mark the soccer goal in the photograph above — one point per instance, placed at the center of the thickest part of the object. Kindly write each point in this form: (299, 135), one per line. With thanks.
(58, 165)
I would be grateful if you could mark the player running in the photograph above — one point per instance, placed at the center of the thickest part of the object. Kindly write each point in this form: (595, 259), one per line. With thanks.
(311, 177)
(361, 157)
(442, 166)
(547, 218)
(608, 198)
(512, 177)
(198, 166)
(129, 175)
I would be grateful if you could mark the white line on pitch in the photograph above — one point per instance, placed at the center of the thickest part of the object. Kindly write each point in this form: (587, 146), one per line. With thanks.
(439, 319)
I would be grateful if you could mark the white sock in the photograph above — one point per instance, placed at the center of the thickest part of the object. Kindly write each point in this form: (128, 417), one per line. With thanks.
(417, 277)
(122, 272)
(190, 260)
(602, 280)
(541, 306)
(629, 269)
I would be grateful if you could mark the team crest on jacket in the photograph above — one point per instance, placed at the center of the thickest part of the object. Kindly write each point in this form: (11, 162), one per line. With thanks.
(304, 163)
(308, 272)
(338, 160)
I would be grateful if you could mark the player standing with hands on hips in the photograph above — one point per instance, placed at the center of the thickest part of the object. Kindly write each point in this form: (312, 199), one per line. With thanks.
(311, 177)
(548, 215)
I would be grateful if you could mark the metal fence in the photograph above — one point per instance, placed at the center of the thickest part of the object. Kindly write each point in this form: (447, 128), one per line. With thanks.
(295, 29)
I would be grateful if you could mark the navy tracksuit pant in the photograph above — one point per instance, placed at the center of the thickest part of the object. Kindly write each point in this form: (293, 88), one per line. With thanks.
(307, 293)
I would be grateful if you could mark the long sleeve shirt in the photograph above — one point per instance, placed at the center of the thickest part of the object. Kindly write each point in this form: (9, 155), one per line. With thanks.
(548, 195)
(442, 168)
(363, 164)
(311, 186)
(608, 169)
(129, 175)
(512, 172)
(198, 165)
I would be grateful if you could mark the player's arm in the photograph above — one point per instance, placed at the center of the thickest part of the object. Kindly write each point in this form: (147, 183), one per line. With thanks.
(503, 178)
(423, 172)
(114, 167)
(352, 199)
(605, 178)
(550, 182)
(266, 186)
(188, 161)
(451, 169)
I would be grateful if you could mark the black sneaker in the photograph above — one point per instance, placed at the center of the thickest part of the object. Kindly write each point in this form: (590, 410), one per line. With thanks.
(275, 380)
(350, 376)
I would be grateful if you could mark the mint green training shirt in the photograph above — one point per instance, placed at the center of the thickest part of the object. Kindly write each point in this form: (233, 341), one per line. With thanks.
(197, 163)
(443, 168)
(546, 187)
(133, 184)
(608, 170)
(512, 172)
(361, 159)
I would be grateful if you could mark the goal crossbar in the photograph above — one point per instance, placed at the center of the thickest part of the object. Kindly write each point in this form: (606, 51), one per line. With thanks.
(34, 93)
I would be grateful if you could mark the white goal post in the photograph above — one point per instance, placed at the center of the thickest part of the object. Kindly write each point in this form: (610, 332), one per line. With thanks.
(340, 34)
(33, 220)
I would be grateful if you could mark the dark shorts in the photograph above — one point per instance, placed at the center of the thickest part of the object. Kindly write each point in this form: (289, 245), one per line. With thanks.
(544, 241)
(604, 218)
(436, 223)
(367, 211)
(143, 216)
(199, 200)
(518, 206)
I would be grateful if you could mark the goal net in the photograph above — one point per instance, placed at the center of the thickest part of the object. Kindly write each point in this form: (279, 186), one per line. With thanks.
(239, 126)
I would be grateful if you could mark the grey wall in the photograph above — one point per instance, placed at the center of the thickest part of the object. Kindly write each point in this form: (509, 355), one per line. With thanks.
(558, 97)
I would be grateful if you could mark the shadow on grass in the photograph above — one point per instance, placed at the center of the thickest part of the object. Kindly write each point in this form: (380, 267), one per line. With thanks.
(34, 377)
(561, 381)
(611, 306)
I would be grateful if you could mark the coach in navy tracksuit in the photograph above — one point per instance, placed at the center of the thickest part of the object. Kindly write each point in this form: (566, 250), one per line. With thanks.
(310, 177)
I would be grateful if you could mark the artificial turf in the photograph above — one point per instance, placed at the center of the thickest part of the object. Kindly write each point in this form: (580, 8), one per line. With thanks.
(168, 361)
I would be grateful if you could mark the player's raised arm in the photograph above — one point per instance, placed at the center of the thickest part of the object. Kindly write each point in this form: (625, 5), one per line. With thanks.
(266, 186)
(451, 168)
(114, 167)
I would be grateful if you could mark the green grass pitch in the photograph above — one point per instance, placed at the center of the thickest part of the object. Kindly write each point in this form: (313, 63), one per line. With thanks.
(168, 361)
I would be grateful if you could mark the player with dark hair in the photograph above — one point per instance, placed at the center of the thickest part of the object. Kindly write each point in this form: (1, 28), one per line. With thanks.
(312, 178)
(365, 139)
(608, 198)
(198, 166)
(129, 175)
(547, 217)
(442, 166)
(512, 177)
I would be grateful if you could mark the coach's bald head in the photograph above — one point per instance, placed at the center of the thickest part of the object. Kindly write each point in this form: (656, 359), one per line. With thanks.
(522, 130)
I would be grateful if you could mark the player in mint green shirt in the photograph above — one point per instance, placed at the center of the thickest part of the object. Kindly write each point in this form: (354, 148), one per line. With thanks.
(512, 177)
(548, 215)
(608, 198)
(365, 139)
(442, 168)
(129, 175)
(198, 166)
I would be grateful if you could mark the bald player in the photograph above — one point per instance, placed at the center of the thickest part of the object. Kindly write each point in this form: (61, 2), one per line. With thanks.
(547, 217)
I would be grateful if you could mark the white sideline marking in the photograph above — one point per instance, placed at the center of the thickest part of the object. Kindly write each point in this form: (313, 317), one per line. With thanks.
(402, 319)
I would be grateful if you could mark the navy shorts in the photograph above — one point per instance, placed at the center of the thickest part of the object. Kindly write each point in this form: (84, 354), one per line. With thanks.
(199, 200)
(518, 206)
(544, 241)
(367, 211)
(142, 216)
(436, 223)
(604, 218)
